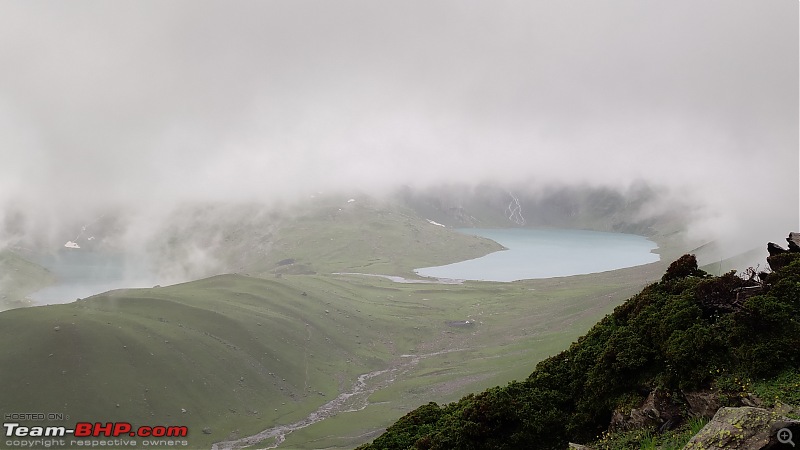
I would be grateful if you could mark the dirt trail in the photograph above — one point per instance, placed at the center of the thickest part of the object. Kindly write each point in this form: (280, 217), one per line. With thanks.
(355, 399)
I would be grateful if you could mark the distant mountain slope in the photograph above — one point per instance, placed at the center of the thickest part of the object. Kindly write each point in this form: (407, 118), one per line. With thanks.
(594, 208)
(371, 236)
(19, 278)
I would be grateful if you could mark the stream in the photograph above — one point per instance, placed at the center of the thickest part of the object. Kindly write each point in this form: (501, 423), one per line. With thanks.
(355, 399)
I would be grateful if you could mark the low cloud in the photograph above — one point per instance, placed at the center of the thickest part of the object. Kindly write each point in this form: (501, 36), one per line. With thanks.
(145, 106)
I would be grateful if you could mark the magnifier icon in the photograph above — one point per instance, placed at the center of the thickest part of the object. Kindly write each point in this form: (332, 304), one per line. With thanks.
(785, 436)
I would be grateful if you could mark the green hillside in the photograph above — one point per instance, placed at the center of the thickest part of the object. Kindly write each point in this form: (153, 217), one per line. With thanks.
(241, 354)
(688, 332)
(321, 235)
(370, 236)
(234, 352)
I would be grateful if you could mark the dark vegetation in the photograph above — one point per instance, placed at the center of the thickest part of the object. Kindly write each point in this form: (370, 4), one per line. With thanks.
(689, 332)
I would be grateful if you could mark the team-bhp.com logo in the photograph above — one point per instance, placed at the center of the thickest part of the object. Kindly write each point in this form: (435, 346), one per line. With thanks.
(97, 429)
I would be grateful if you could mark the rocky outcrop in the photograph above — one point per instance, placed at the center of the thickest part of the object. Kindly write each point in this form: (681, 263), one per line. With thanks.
(794, 242)
(659, 411)
(780, 257)
(662, 411)
(743, 428)
(702, 403)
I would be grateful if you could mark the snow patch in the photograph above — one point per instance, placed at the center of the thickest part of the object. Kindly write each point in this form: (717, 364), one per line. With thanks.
(435, 223)
(71, 244)
(351, 200)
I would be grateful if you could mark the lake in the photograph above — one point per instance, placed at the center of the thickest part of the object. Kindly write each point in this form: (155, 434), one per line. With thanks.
(81, 273)
(535, 254)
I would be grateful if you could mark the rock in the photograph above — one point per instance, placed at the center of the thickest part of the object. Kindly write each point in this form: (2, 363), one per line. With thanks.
(659, 411)
(703, 404)
(206, 430)
(752, 400)
(775, 249)
(782, 409)
(744, 428)
(780, 257)
(575, 446)
(56, 328)
(794, 242)
(743, 293)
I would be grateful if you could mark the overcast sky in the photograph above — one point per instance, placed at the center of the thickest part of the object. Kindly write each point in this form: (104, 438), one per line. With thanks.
(145, 101)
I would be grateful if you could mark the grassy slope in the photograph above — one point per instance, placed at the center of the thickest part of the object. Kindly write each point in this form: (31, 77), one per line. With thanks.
(209, 347)
(367, 237)
(321, 235)
(519, 324)
(19, 278)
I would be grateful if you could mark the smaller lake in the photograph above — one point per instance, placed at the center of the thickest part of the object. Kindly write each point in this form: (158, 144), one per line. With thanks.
(82, 273)
(533, 254)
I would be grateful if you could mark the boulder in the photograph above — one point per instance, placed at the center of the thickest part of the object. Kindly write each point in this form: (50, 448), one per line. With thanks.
(775, 249)
(744, 428)
(752, 400)
(780, 257)
(702, 403)
(659, 411)
(794, 242)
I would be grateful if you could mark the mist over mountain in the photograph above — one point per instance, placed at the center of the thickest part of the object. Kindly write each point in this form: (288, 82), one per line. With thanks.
(136, 109)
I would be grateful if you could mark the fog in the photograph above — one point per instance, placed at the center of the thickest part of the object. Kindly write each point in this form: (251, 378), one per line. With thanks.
(147, 105)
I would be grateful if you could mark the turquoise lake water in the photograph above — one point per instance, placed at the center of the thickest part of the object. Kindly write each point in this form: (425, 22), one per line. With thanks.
(82, 273)
(535, 254)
